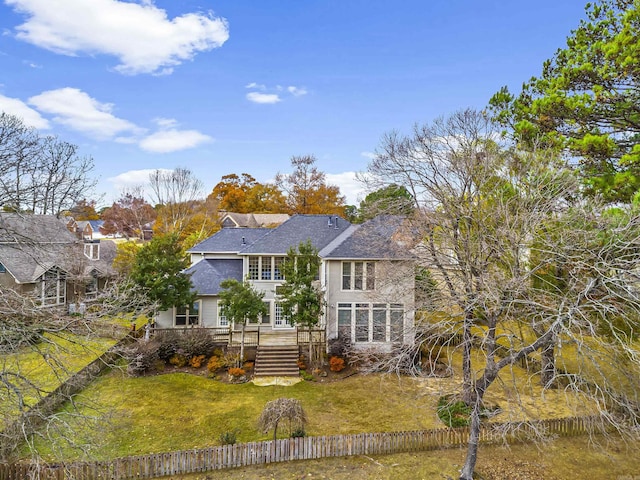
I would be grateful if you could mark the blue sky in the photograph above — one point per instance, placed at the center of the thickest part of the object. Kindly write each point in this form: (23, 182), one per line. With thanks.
(237, 86)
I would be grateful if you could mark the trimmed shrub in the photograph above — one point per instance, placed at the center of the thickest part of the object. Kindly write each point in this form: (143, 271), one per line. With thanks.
(214, 364)
(306, 376)
(178, 360)
(339, 347)
(336, 364)
(141, 357)
(196, 362)
(196, 341)
(236, 372)
(168, 344)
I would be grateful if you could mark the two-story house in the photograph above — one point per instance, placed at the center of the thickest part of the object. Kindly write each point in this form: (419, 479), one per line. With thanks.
(366, 276)
(40, 257)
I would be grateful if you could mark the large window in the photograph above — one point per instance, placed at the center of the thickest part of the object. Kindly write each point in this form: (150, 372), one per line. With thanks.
(358, 276)
(188, 315)
(371, 323)
(91, 287)
(265, 268)
(53, 288)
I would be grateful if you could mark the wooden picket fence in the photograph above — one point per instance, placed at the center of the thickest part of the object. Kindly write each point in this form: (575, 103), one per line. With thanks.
(304, 448)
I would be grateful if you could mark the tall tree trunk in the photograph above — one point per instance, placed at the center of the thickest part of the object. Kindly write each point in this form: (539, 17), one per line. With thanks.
(469, 395)
(547, 357)
(472, 446)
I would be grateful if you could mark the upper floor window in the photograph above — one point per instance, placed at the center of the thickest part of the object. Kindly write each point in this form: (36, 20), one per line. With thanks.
(358, 276)
(92, 251)
(265, 268)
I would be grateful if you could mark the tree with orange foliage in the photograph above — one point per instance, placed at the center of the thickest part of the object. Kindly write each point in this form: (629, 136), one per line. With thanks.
(307, 191)
(244, 194)
(84, 210)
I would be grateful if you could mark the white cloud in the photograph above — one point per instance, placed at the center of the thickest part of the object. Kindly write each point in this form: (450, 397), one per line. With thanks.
(171, 140)
(132, 178)
(165, 122)
(297, 91)
(140, 35)
(257, 97)
(351, 188)
(29, 116)
(77, 110)
(369, 155)
(257, 86)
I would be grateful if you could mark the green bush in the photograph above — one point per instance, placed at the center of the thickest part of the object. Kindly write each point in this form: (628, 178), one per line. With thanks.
(306, 376)
(453, 413)
(298, 432)
(228, 437)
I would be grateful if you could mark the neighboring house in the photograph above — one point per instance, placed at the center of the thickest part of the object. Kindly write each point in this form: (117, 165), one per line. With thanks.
(252, 220)
(39, 256)
(366, 276)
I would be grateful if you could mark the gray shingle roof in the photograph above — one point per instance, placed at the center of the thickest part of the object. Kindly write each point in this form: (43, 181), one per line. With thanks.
(207, 274)
(297, 229)
(379, 238)
(32, 244)
(229, 240)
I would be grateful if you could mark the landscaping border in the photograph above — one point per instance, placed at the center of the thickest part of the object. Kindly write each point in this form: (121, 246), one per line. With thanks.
(302, 448)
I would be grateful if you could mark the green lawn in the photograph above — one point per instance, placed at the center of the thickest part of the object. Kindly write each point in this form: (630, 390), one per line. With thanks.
(177, 411)
(49, 363)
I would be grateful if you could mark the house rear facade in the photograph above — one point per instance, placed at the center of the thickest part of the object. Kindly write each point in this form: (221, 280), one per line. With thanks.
(366, 276)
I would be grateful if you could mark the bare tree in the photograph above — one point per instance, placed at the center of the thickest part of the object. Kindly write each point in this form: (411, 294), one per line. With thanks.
(42, 175)
(522, 264)
(129, 214)
(287, 409)
(176, 192)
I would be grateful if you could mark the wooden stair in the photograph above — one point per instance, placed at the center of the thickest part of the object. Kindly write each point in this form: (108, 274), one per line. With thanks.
(277, 361)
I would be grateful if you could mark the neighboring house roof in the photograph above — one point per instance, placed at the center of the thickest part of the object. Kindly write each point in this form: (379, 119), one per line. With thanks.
(252, 220)
(207, 274)
(43, 229)
(229, 240)
(379, 238)
(33, 244)
(320, 229)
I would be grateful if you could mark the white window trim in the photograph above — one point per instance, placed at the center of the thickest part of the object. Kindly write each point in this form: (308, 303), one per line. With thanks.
(257, 275)
(354, 307)
(367, 279)
(188, 315)
(220, 318)
(60, 287)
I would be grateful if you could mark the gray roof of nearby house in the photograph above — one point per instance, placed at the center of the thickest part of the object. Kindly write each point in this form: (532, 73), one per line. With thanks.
(229, 240)
(380, 238)
(207, 274)
(32, 244)
(320, 229)
(254, 220)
